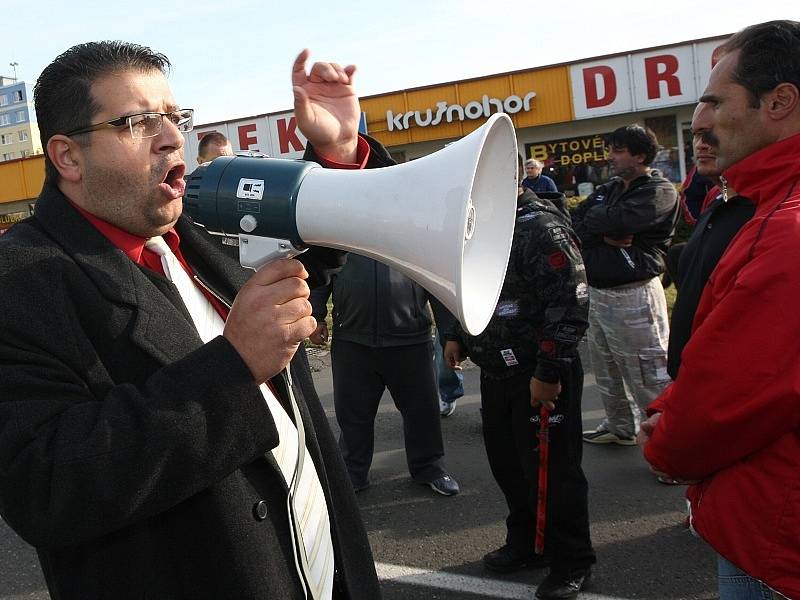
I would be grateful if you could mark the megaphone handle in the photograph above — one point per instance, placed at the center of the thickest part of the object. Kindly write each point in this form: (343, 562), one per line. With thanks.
(256, 251)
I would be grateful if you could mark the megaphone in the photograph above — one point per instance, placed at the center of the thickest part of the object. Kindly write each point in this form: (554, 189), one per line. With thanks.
(445, 220)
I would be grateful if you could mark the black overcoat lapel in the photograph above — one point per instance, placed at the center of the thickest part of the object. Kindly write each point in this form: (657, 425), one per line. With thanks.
(161, 326)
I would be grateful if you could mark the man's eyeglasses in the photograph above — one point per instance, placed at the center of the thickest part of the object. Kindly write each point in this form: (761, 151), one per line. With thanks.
(144, 125)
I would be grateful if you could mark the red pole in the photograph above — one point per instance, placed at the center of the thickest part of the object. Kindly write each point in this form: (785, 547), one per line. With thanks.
(541, 495)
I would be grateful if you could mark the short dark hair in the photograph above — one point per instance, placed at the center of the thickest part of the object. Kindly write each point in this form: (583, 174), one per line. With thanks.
(769, 55)
(63, 92)
(636, 139)
(213, 138)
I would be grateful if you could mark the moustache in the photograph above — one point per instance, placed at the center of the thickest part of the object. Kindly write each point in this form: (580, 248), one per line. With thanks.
(708, 137)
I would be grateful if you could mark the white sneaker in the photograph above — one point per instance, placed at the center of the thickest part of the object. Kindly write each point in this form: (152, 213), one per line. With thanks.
(446, 408)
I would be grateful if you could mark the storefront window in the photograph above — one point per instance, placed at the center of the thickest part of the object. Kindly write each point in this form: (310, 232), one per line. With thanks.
(576, 164)
(579, 164)
(688, 148)
(667, 158)
(398, 156)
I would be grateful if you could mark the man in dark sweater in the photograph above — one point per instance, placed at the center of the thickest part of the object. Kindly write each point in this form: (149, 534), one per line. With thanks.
(625, 228)
(382, 339)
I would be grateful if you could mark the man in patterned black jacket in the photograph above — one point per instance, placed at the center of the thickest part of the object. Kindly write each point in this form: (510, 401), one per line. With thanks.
(528, 355)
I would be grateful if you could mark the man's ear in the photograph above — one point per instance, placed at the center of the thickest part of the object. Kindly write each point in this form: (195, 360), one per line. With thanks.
(66, 156)
(782, 101)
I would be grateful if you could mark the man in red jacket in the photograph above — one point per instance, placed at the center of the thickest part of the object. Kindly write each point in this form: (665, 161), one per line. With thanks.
(730, 423)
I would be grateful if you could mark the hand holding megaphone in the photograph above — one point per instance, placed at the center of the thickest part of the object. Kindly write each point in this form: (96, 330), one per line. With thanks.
(270, 318)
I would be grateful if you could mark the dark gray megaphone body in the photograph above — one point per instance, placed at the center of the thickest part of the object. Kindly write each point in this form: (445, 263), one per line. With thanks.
(445, 220)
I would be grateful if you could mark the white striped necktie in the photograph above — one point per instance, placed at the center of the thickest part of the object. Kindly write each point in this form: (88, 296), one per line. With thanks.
(206, 319)
(308, 510)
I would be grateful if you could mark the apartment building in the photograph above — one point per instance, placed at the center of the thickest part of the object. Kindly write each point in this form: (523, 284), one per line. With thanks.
(19, 135)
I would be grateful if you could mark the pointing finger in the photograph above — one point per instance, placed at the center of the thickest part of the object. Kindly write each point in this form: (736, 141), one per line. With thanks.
(299, 67)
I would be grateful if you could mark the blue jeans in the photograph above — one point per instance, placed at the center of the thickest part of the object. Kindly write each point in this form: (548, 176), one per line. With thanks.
(735, 584)
(451, 383)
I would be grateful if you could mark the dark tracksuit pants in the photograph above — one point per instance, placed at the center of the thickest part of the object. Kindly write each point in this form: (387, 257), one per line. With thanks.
(510, 429)
(360, 375)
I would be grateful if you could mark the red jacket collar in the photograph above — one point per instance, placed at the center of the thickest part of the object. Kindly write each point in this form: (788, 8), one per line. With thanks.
(765, 175)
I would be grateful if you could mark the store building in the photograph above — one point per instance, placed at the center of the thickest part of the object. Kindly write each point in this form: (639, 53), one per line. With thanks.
(561, 112)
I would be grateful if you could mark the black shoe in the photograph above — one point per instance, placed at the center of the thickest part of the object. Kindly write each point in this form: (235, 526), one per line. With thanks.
(508, 560)
(360, 487)
(444, 485)
(563, 585)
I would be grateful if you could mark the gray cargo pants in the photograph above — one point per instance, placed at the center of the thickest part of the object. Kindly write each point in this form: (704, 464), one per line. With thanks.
(628, 333)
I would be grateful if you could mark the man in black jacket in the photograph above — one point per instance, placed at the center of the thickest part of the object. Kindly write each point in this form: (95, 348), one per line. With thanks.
(528, 355)
(137, 456)
(715, 228)
(382, 339)
(625, 228)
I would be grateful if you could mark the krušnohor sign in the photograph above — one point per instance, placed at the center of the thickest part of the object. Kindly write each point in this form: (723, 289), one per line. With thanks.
(450, 112)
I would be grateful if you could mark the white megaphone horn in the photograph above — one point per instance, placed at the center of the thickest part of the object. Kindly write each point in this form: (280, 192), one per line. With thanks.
(445, 220)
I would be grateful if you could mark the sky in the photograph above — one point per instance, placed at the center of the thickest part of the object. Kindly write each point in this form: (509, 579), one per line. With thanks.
(232, 58)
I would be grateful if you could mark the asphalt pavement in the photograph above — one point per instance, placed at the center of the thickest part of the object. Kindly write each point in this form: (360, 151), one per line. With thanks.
(430, 546)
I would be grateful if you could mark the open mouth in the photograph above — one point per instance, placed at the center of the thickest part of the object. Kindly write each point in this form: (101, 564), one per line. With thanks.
(174, 185)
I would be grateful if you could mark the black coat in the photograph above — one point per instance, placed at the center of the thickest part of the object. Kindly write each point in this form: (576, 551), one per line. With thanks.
(374, 305)
(712, 235)
(132, 456)
(542, 311)
(648, 209)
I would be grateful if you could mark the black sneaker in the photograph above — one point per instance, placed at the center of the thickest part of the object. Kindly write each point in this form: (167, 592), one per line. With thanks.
(604, 436)
(508, 560)
(444, 485)
(563, 585)
(360, 487)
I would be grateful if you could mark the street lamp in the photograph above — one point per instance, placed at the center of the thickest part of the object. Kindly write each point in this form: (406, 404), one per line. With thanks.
(14, 66)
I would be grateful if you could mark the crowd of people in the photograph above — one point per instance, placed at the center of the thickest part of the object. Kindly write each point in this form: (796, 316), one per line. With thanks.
(160, 435)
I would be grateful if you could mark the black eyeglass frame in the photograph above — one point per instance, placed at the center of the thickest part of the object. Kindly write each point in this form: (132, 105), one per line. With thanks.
(126, 120)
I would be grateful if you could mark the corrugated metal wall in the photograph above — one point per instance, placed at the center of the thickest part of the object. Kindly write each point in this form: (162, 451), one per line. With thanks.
(21, 179)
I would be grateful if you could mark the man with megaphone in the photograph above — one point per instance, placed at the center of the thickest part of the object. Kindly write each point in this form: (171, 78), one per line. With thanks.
(147, 447)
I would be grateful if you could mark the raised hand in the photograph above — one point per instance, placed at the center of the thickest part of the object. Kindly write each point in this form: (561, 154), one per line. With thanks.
(326, 107)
